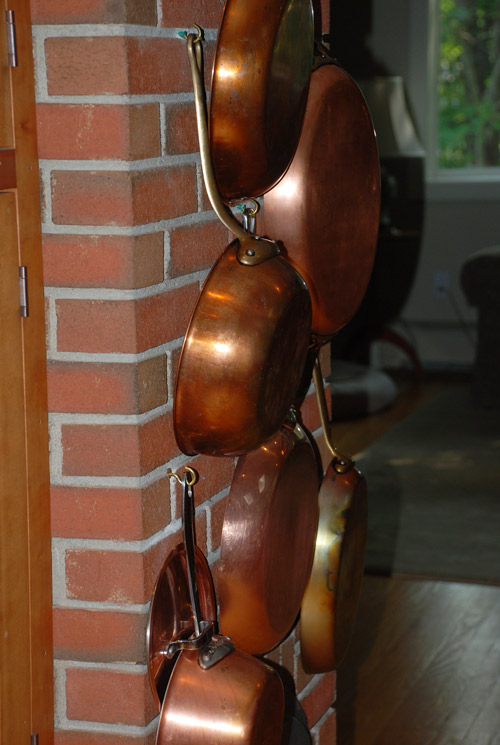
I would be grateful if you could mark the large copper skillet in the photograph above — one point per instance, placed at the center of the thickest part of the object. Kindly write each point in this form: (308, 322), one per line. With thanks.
(268, 539)
(259, 87)
(331, 599)
(246, 345)
(217, 693)
(325, 210)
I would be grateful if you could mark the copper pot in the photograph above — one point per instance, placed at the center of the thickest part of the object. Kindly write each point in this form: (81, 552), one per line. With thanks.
(325, 210)
(259, 88)
(216, 693)
(268, 540)
(246, 345)
(331, 599)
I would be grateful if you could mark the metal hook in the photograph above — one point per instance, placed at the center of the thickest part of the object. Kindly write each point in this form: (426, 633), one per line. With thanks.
(190, 476)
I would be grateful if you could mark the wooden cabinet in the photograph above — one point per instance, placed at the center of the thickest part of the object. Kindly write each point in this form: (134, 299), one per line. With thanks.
(26, 693)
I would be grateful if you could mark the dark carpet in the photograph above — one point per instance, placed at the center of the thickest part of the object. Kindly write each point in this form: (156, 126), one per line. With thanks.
(434, 493)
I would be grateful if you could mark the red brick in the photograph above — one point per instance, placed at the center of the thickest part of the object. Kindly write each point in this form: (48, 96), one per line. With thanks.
(110, 514)
(117, 449)
(123, 197)
(108, 696)
(320, 698)
(181, 134)
(158, 66)
(179, 14)
(80, 737)
(121, 576)
(87, 65)
(121, 262)
(217, 511)
(99, 636)
(93, 11)
(76, 131)
(124, 325)
(107, 388)
(302, 678)
(328, 730)
(196, 247)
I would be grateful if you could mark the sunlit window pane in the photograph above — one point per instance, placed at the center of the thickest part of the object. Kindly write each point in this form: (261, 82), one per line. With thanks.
(469, 84)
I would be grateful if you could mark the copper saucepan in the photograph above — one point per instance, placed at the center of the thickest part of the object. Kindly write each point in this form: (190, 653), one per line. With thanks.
(325, 210)
(260, 78)
(246, 345)
(331, 599)
(268, 539)
(216, 693)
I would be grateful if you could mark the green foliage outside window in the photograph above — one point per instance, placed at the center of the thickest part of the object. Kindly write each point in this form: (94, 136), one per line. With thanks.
(469, 84)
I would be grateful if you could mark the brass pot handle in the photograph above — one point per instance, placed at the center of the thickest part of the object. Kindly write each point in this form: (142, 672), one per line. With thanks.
(252, 249)
(341, 463)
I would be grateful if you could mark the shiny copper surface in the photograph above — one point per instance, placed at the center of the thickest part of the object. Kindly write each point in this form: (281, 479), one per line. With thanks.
(171, 613)
(325, 210)
(238, 701)
(268, 539)
(242, 358)
(331, 598)
(259, 88)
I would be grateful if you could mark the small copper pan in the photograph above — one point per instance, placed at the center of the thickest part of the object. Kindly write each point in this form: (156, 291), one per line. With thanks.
(268, 539)
(331, 599)
(325, 210)
(216, 693)
(246, 345)
(259, 88)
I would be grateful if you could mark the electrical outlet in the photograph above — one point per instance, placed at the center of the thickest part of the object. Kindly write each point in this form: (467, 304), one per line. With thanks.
(441, 283)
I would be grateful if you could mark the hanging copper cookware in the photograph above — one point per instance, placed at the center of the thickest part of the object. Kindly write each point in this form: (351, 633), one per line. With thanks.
(171, 616)
(217, 693)
(246, 344)
(268, 538)
(259, 87)
(331, 599)
(325, 210)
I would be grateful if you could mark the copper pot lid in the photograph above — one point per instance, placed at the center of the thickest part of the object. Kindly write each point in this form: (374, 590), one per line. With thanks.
(260, 78)
(325, 210)
(171, 614)
(268, 539)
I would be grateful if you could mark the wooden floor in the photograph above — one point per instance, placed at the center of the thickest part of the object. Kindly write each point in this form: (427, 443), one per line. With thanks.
(423, 666)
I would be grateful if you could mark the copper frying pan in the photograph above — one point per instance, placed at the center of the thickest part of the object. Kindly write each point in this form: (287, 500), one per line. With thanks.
(268, 539)
(171, 616)
(331, 599)
(246, 345)
(216, 693)
(325, 210)
(259, 87)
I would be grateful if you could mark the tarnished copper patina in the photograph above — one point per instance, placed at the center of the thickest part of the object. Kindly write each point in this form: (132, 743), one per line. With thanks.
(268, 539)
(325, 210)
(246, 345)
(260, 78)
(331, 599)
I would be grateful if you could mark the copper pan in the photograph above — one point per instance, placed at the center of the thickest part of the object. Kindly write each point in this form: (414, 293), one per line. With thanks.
(171, 616)
(259, 87)
(268, 538)
(246, 345)
(325, 210)
(217, 693)
(331, 599)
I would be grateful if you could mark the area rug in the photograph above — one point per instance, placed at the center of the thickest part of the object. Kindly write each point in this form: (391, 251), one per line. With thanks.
(434, 493)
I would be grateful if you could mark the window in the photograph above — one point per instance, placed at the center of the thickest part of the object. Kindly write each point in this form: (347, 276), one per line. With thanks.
(466, 67)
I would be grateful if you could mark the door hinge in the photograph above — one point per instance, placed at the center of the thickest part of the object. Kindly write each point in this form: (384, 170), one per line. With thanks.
(34, 739)
(23, 292)
(11, 38)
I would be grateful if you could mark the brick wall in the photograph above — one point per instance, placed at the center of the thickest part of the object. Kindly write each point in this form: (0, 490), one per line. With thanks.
(128, 239)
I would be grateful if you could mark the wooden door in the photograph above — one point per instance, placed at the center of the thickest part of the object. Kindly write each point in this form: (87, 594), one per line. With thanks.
(26, 689)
